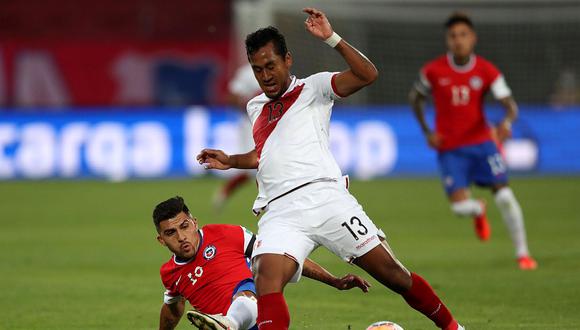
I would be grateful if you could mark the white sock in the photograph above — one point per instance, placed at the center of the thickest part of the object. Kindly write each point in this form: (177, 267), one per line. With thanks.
(467, 208)
(514, 219)
(243, 312)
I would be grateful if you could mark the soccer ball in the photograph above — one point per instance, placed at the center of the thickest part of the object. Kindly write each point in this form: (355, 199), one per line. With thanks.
(384, 325)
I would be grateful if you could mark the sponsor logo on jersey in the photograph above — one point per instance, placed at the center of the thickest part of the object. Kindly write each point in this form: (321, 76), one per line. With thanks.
(475, 82)
(360, 246)
(209, 252)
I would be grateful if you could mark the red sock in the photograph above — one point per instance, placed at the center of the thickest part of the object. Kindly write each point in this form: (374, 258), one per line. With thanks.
(273, 312)
(234, 183)
(422, 298)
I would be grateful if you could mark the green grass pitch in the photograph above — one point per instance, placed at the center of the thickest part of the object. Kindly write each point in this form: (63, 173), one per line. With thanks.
(83, 255)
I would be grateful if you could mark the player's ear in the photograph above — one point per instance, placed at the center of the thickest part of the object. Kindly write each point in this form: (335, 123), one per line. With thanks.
(288, 60)
(194, 220)
(160, 240)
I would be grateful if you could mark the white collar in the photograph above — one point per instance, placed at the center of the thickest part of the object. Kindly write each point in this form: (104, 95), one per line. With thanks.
(291, 86)
(461, 68)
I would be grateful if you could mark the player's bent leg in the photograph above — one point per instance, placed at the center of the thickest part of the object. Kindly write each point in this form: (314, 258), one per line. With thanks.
(271, 274)
(381, 264)
(464, 206)
(205, 321)
(243, 311)
(513, 217)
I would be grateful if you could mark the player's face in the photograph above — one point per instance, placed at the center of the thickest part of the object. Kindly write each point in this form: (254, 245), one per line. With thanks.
(271, 70)
(461, 40)
(180, 235)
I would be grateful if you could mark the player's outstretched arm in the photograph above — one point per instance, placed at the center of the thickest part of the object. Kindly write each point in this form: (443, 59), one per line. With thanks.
(219, 160)
(418, 101)
(316, 272)
(362, 72)
(504, 129)
(171, 314)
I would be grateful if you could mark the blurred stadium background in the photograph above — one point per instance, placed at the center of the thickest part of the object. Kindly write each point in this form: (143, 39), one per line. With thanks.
(129, 91)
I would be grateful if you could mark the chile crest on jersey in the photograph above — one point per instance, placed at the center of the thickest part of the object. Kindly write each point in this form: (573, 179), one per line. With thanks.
(209, 252)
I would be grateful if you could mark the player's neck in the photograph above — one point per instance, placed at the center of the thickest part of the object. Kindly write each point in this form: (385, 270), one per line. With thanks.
(461, 60)
(286, 86)
(181, 260)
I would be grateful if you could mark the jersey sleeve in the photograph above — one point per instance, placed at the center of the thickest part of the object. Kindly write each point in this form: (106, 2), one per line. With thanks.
(170, 295)
(170, 298)
(324, 83)
(498, 85)
(422, 84)
(500, 89)
(253, 110)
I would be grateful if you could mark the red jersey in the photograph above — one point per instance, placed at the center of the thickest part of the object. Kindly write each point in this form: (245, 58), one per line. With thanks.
(209, 279)
(458, 95)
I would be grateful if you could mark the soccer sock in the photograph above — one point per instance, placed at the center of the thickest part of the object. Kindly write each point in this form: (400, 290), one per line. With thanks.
(422, 298)
(467, 208)
(513, 217)
(234, 183)
(273, 312)
(243, 312)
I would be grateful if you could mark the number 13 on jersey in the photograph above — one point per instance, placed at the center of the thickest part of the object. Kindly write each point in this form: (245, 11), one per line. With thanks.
(460, 95)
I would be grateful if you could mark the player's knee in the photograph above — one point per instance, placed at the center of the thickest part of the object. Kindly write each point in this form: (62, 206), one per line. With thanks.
(463, 208)
(266, 284)
(272, 272)
(505, 196)
(393, 276)
(246, 294)
(398, 280)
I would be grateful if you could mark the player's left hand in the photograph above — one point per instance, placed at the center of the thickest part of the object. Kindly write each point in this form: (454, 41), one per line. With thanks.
(214, 159)
(350, 281)
(317, 23)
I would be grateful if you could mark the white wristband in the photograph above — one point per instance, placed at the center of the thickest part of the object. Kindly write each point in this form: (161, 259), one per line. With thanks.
(333, 40)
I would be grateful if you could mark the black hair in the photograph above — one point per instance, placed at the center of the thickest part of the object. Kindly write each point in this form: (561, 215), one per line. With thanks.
(262, 37)
(168, 209)
(457, 18)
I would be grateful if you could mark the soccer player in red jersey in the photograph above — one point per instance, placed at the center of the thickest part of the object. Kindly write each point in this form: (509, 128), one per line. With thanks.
(302, 196)
(210, 268)
(467, 153)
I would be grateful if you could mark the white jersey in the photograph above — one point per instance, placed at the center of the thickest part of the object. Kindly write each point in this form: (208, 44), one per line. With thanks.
(244, 83)
(291, 137)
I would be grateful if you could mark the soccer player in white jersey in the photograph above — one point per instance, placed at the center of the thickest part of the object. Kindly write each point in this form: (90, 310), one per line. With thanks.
(302, 196)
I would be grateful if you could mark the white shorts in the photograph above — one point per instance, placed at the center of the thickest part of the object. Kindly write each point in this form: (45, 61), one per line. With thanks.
(322, 213)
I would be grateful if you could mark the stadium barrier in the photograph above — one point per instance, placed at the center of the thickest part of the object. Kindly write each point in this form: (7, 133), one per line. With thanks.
(368, 142)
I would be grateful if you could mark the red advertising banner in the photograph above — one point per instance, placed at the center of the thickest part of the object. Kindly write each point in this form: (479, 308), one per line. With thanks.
(101, 73)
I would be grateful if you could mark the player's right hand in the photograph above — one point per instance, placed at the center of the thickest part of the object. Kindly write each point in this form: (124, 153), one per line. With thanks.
(317, 23)
(214, 159)
(434, 140)
(350, 281)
